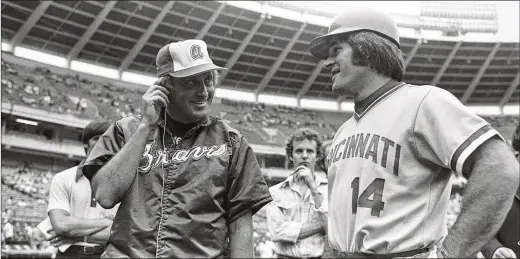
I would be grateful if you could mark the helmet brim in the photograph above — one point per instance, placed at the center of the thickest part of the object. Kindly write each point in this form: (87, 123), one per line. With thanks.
(319, 46)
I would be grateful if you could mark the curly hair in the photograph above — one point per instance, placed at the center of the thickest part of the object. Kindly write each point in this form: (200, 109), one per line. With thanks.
(516, 138)
(376, 52)
(300, 135)
(93, 129)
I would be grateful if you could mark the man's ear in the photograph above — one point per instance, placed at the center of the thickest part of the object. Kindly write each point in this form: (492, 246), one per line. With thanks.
(163, 81)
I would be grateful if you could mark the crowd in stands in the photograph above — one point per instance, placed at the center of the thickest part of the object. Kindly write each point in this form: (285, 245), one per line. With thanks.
(25, 193)
(459, 182)
(42, 88)
(454, 208)
(504, 124)
(502, 121)
(30, 181)
(72, 94)
(20, 87)
(21, 235)
(273, 116)
(263, 246)
(275, 121)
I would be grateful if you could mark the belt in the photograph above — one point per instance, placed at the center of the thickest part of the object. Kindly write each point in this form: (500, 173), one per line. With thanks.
(87, 250)
(393, 255)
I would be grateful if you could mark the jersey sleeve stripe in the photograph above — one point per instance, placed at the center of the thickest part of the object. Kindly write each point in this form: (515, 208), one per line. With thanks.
(470, 145)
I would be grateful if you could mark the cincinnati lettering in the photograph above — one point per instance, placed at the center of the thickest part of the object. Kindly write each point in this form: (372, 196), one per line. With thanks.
(366, 145)
(151, 160)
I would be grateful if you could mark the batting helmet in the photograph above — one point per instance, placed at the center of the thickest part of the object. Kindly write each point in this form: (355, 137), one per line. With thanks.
(354, 20)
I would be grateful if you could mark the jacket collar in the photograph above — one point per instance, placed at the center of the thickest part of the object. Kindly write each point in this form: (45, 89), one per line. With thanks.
(362, 107)
(204, 122)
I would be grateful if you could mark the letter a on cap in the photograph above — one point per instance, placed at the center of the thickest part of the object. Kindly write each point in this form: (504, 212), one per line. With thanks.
(196, 52)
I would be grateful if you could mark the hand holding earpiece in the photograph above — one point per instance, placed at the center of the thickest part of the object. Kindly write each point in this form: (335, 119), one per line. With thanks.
(155, 98)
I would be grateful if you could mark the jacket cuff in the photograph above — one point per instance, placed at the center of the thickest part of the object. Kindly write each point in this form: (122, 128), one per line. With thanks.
(490, 247)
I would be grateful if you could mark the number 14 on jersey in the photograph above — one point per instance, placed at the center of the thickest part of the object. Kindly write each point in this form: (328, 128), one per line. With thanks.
(364, 201)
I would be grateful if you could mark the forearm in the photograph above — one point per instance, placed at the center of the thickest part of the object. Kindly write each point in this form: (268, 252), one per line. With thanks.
(113, 180)
(289, 231)
(318, 198)
(100, 237)
(70, 226)
(483, 212)
(322, 213)
(487, 199)
(241, 237)
(309, 229)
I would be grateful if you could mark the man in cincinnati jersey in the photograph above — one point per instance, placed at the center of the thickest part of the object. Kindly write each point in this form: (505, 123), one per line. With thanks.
(390, 164)
(187, 182)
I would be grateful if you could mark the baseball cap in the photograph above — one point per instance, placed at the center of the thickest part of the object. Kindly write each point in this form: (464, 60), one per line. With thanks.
(184, 58)
(352, 20)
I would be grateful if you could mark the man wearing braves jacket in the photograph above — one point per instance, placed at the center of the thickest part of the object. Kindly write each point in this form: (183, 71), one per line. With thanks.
(187, 182)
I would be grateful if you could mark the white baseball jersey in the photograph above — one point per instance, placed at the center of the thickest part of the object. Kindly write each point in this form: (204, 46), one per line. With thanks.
(390, 169)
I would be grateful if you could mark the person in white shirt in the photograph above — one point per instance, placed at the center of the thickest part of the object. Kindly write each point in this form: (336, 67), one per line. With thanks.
(266, 248)
(76, 217)
(8, 231)
(297, 216)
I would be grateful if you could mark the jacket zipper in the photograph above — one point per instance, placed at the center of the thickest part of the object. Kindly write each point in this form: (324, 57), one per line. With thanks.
(162, 197)
(189, 133)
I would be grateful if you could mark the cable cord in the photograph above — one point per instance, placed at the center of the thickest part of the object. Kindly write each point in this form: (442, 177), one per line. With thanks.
(162, 190)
